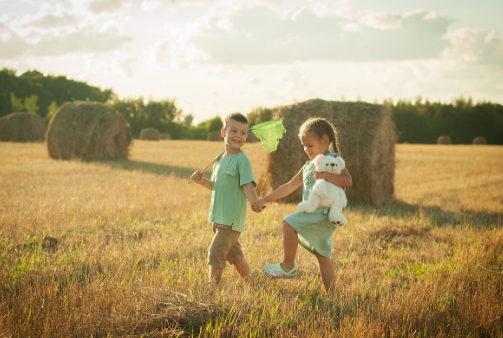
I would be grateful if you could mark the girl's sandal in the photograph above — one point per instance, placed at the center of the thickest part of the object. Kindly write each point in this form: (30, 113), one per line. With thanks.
(275, 271)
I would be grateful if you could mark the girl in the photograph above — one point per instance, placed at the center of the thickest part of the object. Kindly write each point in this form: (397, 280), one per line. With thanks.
(312, 231)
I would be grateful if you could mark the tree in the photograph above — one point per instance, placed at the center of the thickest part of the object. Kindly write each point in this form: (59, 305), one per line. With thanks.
(213, 124)
(30, 103)
(162, 115)
(16, 103)
(259, 115)
(187, 120)
(47, 89)
(51, 110)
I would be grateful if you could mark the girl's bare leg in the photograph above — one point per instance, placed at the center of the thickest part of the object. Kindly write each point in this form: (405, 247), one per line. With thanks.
(243, 268)
(290, 244)
(327, 273)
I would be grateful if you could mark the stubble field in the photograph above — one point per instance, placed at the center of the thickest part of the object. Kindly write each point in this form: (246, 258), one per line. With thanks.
(97, 249)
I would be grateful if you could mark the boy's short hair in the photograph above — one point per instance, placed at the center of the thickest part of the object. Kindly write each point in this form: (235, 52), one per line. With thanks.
(236, 117)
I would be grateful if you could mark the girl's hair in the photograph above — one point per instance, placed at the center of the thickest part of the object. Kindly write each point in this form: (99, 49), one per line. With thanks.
(320, 127)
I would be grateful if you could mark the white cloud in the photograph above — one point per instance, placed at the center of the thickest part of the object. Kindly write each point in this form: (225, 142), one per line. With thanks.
(81, 40)
(476, 46)
(383, 21)
(296, 79)
(150, 5)
(46, 20)
(260, 35)
(106, 6)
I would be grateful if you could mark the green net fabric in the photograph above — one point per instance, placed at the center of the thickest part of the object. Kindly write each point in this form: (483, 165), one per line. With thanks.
(269, 133)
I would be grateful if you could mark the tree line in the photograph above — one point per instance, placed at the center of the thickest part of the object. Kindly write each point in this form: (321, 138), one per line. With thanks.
(417, 121)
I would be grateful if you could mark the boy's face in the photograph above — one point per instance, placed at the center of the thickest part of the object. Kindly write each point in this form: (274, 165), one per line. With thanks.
(235, 134)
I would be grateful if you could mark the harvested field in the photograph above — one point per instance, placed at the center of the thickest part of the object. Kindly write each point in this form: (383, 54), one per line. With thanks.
(119, 248)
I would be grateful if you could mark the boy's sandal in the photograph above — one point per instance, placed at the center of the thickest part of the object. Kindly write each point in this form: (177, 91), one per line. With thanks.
(275, 271)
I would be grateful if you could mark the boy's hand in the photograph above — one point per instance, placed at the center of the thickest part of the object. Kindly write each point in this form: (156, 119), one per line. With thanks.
(258, 205)
(197, 176)
(255, 206)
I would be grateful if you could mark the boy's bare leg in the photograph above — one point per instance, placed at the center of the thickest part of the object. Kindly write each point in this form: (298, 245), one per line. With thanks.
(243, 268)
(327, 273)
(216, 274)
(290, 244)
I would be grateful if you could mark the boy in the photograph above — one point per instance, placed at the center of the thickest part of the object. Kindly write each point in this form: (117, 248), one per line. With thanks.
(232, 183)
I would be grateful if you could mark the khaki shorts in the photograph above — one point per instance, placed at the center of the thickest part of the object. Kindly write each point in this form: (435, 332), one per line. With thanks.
(224, 246)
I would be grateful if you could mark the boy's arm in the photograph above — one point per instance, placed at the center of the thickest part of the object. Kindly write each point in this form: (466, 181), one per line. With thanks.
(199, 178)
(343, 180)
(284, 190)
(251, 194)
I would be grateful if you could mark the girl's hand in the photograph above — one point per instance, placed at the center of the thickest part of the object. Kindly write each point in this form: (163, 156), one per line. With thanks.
(260, 205)
(318, 175)
(197, 176)
(257, 206)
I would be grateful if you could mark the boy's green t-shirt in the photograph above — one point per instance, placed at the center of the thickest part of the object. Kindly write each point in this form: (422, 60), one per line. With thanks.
(228, 200)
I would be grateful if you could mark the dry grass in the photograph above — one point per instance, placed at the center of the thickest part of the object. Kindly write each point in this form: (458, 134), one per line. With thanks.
(133, 234)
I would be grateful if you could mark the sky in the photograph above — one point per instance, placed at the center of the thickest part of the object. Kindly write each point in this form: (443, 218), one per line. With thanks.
(215, 57)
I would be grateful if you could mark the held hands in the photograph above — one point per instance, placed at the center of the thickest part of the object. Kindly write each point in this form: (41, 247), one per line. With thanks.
(258, 205)
(197, 176)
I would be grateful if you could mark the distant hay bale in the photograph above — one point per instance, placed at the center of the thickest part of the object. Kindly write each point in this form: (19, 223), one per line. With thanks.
(88, 131)
(150, 134)
(479, 140)
(22, 127)
(165, 136)
(366, 138)
(444, 139)
(215, 136)
(252, 138)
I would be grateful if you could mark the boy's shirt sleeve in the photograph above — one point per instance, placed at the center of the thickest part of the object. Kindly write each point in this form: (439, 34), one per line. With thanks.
(246, 172)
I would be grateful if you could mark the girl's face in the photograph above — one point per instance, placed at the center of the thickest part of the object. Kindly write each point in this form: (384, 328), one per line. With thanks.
(313, 146)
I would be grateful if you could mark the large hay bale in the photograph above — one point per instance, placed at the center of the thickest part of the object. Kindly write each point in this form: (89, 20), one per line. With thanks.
(444, 139)
(165, 136)
(366, 138)
(22, 127)
(88, 131)
(252, 138)
(150, 134)
(479, 140)
(215, 136)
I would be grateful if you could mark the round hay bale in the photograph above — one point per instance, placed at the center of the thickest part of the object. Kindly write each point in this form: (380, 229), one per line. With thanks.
(215, 136)
(149, 134)
(165, 136)
(22, 127)
(444, 139)
(88, 131)
(252, 138)
(366, 138)
(479, 140)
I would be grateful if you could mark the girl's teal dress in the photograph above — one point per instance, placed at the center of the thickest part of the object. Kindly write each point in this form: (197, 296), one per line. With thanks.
(314, 230)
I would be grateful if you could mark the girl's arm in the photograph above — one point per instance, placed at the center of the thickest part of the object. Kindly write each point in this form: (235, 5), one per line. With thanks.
(343, 180)
(284, 190)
